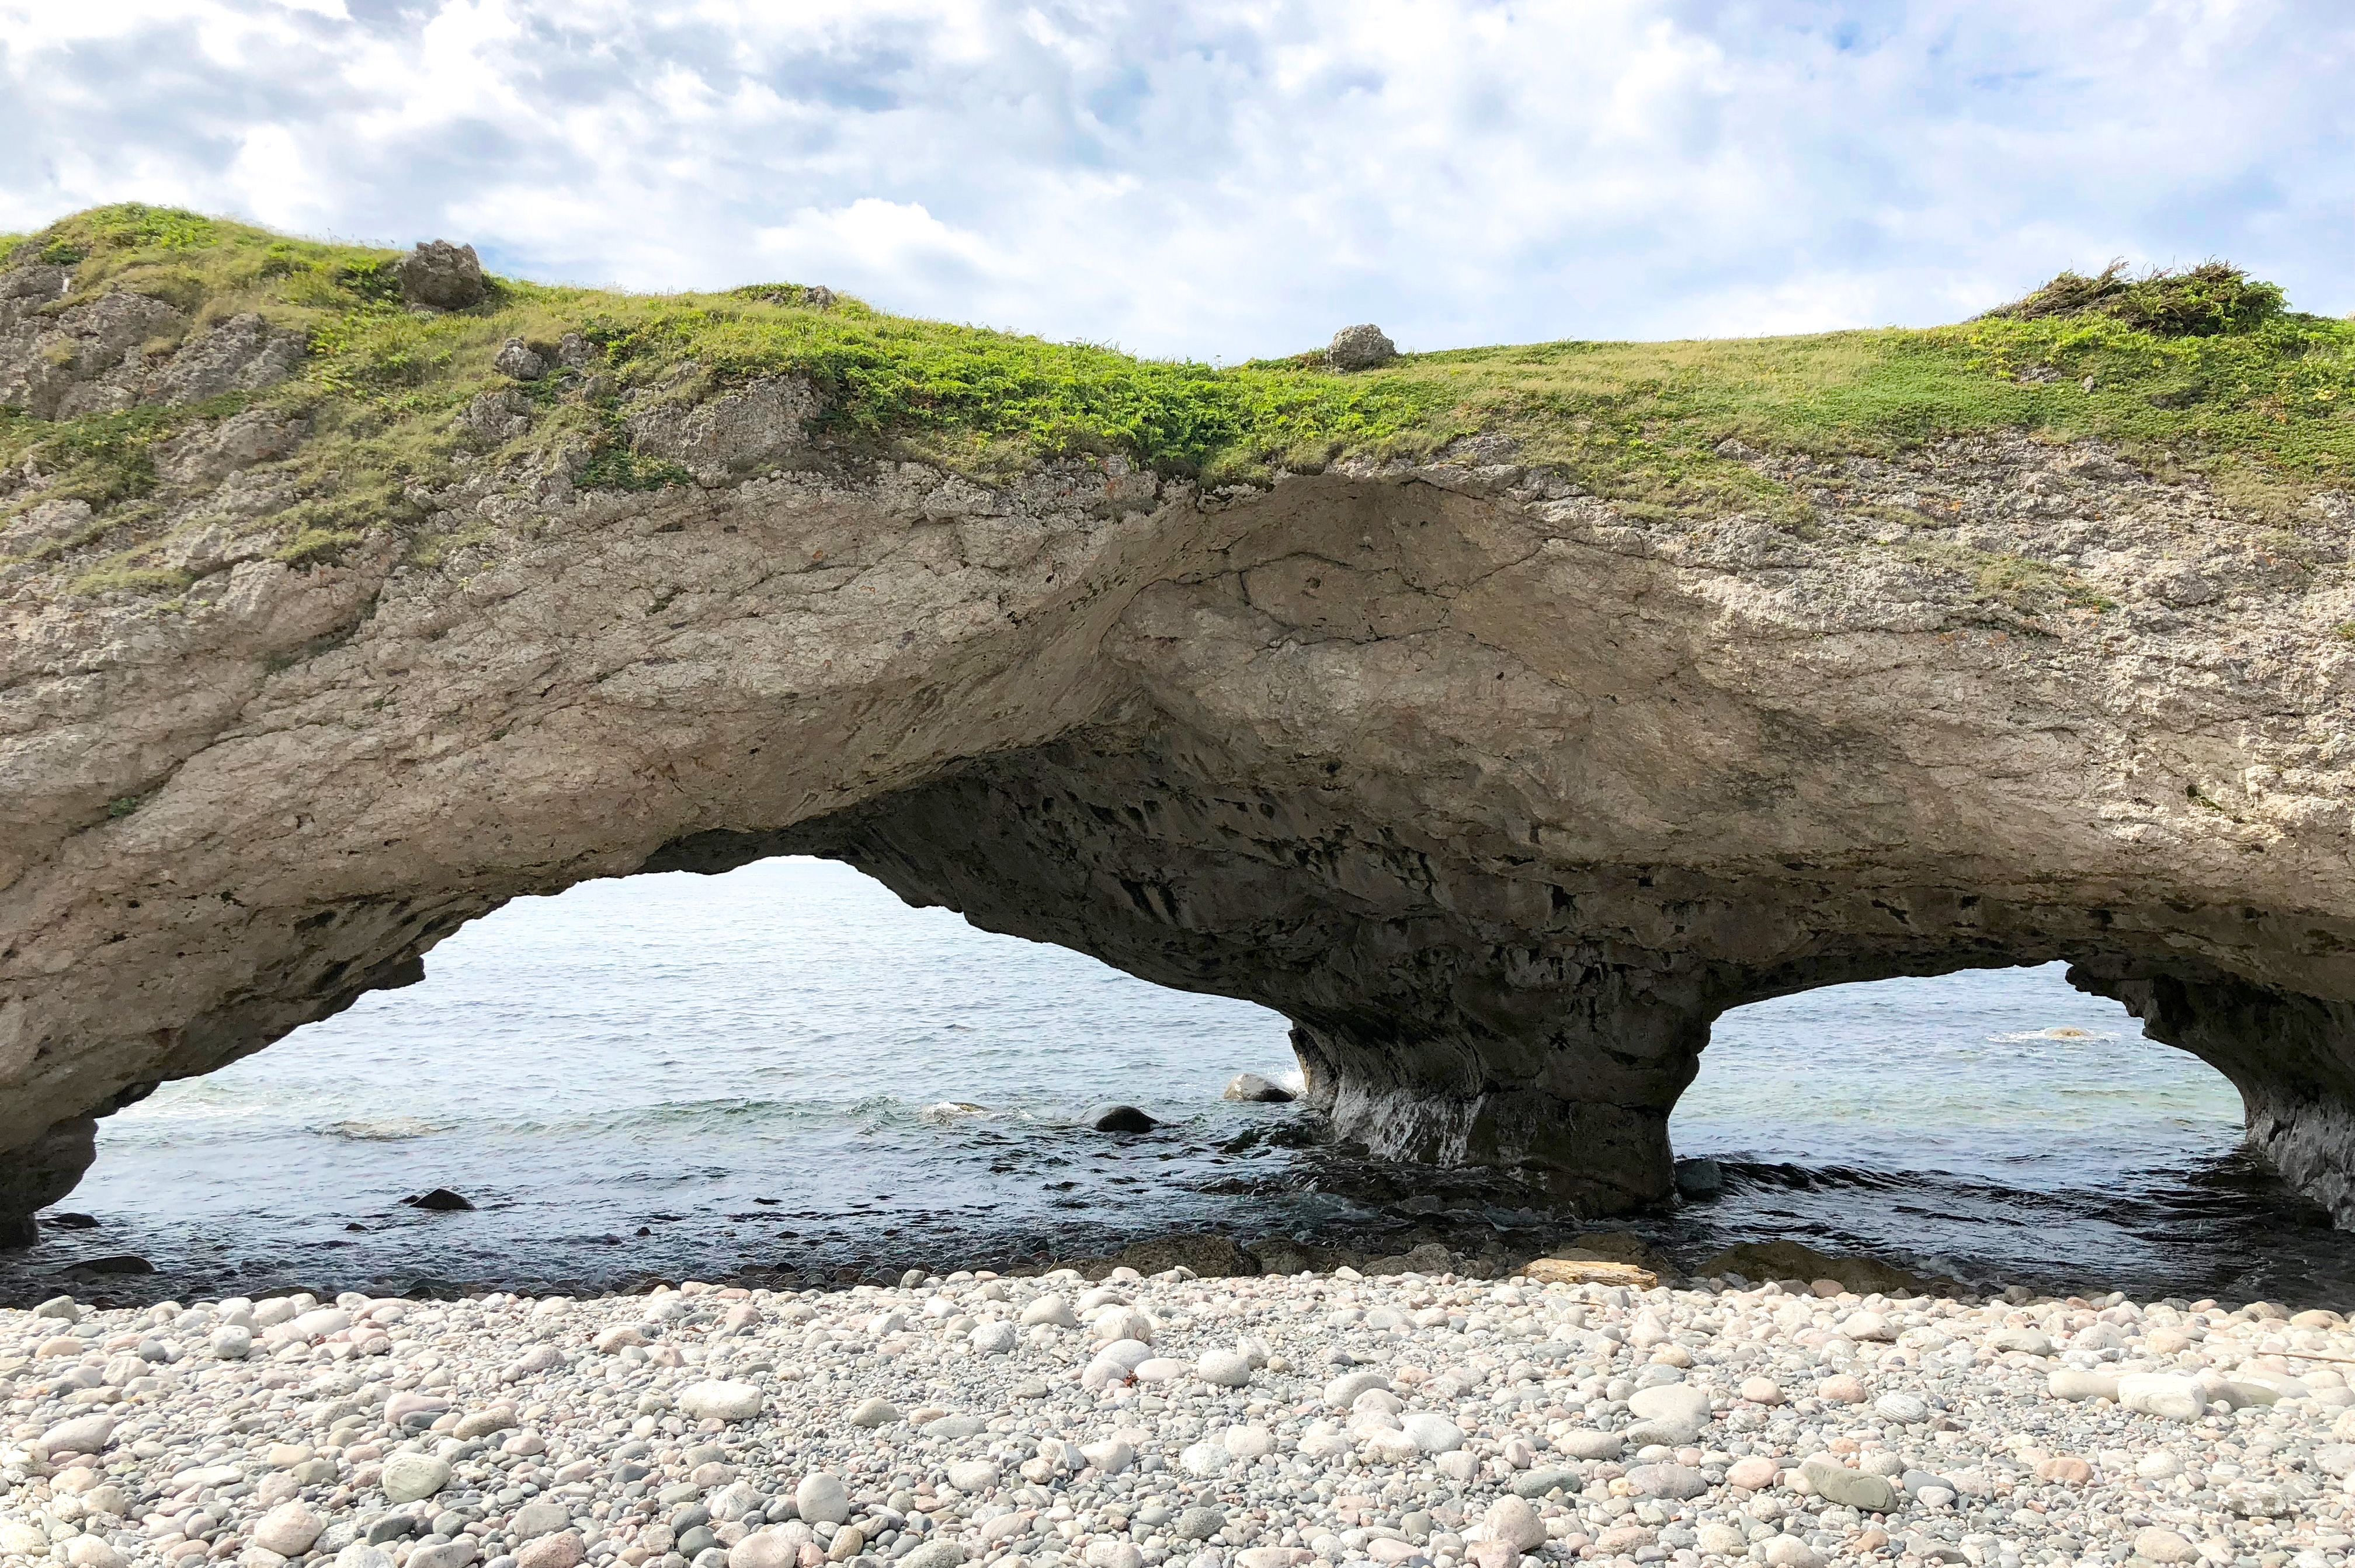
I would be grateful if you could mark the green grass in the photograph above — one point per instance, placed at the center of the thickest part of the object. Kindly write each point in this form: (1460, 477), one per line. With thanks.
(2207, 301)
(2258, 397)
(2025, 588)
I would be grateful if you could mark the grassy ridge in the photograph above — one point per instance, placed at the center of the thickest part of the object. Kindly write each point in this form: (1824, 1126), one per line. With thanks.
(2267, 409)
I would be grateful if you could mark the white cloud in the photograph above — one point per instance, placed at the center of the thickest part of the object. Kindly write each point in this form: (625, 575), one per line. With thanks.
(1236, 176)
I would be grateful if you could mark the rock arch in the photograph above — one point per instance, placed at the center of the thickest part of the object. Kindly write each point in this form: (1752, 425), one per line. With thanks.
(1499, 791)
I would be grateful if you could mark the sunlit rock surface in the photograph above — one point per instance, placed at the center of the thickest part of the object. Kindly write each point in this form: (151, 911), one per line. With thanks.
(1500, 792)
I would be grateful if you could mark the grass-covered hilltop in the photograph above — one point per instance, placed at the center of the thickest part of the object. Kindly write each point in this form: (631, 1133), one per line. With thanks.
(2205, 371)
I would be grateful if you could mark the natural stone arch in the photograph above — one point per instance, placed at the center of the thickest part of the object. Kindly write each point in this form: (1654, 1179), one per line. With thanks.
(1501, 793)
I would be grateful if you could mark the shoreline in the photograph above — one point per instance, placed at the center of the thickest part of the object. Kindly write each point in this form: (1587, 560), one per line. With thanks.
(1428, 1420)
(1208, 1253)
(107, 1281)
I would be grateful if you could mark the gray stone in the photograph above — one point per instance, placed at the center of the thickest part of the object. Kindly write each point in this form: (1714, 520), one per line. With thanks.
(516, 360)
(1677, 1409)
(1362, 347)
(1851, 1489)
(537, 1518)
(1252, 1089)
(719, 1400)
(935, 1554)
(972, 1475)
(822, 1499)
(1681, 1482)
(1224, 1368)
(741, 432)
(1515, 1524)
(764, 1549)
(441, 276)
(1199, 1523)
(1050, 1309)
(288, 1530)
(80, 1434)
(409, 1478)
(2070, 1384)
(874, 1412)
(2162, 1393)
(1432, 1433)
(2155, 1544)
(458, 1553)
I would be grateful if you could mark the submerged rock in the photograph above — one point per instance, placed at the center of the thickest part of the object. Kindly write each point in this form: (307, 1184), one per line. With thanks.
(1789, 1259)
(115, 1263)
(1121, 1119)
(1699, 1179)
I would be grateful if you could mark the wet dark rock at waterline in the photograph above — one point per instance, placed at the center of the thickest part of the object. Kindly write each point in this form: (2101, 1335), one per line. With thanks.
(1699, 1179)
(440, 1200)
(119, 1263)
(1121, 1119)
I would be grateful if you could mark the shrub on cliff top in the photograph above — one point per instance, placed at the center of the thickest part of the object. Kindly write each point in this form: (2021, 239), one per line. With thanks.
(2205, 301)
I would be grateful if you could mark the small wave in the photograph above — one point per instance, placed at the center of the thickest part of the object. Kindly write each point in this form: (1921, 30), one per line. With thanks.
(942, 1113)
(2057, 1031)
(382, 1129)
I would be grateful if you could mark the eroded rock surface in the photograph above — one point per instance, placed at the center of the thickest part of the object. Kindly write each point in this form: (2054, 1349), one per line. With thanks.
(1499, 791)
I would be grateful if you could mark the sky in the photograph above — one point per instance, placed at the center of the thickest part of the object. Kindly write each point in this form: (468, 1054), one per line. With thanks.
(1219, 180)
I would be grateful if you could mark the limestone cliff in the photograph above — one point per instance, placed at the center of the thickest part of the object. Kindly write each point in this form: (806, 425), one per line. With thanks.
(1497, 774)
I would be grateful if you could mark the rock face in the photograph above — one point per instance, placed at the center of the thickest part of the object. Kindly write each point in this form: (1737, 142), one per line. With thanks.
(1499, 791)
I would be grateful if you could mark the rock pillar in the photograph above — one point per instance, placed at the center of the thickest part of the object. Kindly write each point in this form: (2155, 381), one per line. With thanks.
(2292, 1057)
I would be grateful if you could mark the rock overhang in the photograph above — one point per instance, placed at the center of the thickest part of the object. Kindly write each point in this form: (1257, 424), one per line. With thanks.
(1500, 787)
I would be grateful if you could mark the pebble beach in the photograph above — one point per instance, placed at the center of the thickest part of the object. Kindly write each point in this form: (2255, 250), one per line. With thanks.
(1277, 1420)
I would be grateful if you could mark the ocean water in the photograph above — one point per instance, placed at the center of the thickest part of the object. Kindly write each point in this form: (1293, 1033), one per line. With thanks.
(682, 1076)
